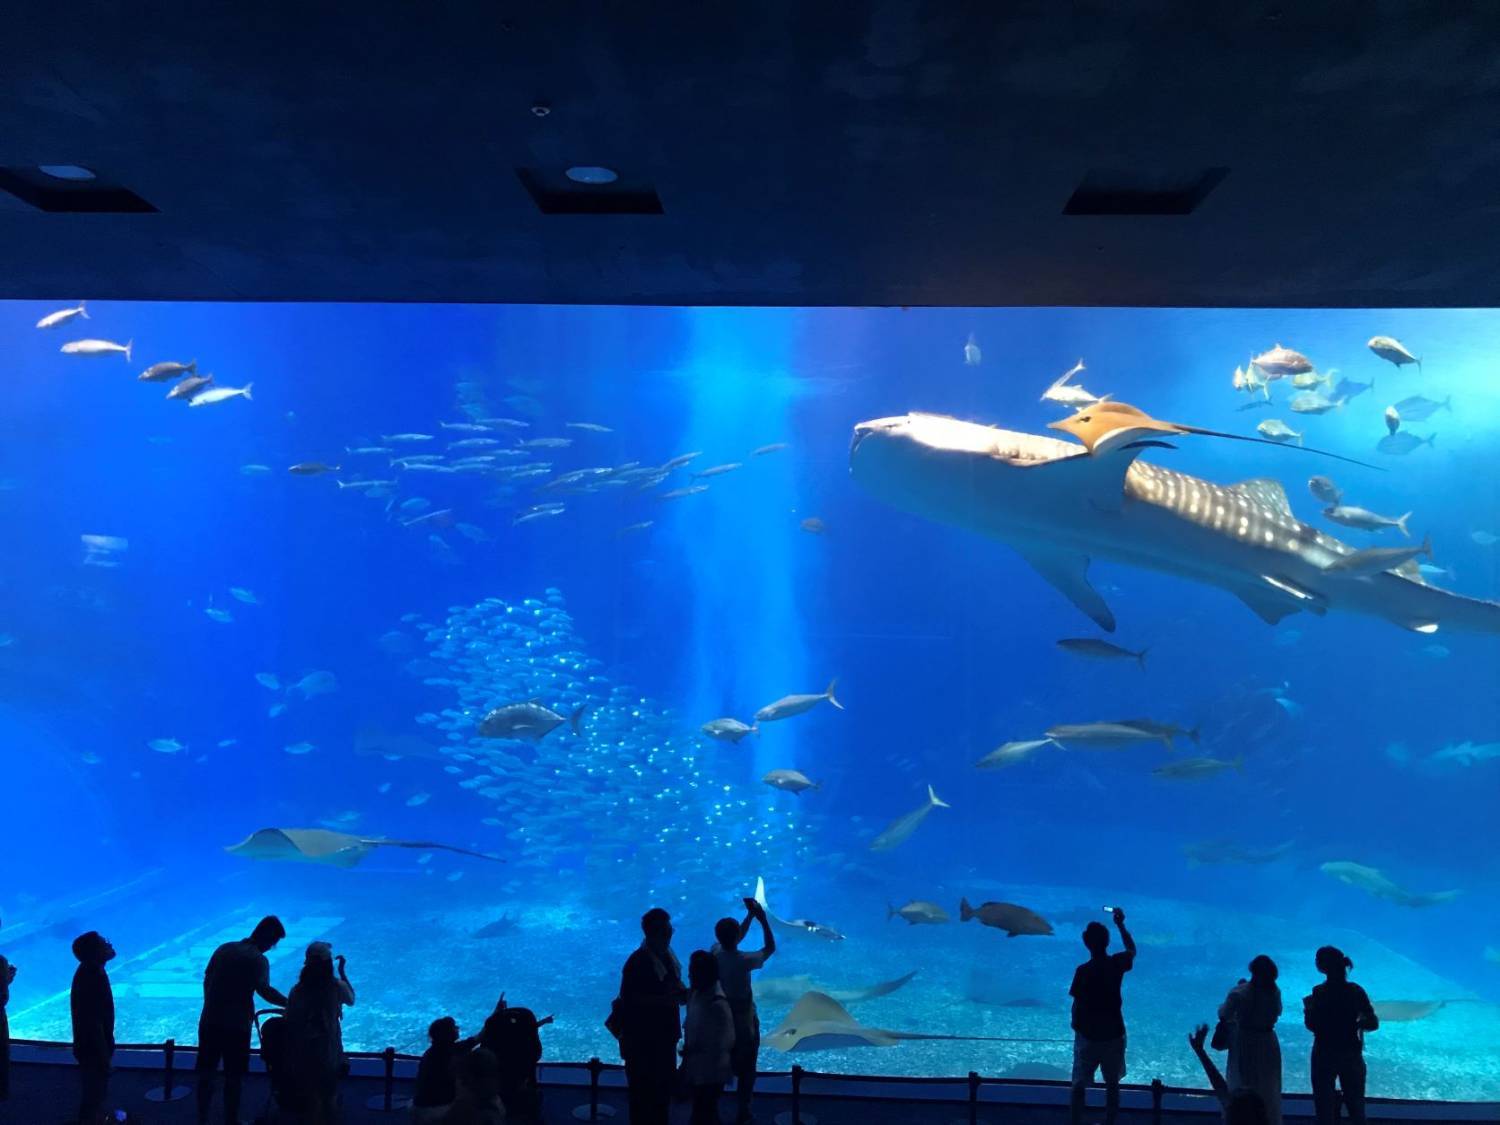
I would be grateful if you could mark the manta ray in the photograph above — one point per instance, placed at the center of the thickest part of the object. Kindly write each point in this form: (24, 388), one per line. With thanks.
(818, 1022)
(1061, 505)
(321, 845)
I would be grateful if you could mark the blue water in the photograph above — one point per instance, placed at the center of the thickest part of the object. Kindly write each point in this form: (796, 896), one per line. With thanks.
(942, 643)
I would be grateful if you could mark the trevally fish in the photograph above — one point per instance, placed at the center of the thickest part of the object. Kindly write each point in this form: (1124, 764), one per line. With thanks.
(161, 372)
(1419, 409)
(901, 829)
(1094, 649)
(1280, 362)
(190, 386)
(728, 730)
(1196, 769)
(1400, 444)
(1364, 519)
(1010, 753)
(918, 913)
(97, 347)
(62, 316)
(530, 721)
(1275, 429)
(790, 781)
(1389, 348)
(1325, 490)
(1312, 402)
(789, 705)
(221, 394)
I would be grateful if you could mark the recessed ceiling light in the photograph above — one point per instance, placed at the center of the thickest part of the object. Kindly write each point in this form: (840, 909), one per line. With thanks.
(66, 171)
(588, 174)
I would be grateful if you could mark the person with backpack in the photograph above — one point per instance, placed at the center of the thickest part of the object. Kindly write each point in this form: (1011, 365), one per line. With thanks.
(93, 1009)
(647, 1022)
(314, 1033)
(1338, 1013)
(510, 1034)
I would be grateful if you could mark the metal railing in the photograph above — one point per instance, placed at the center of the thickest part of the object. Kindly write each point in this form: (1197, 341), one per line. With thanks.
(390, 1067)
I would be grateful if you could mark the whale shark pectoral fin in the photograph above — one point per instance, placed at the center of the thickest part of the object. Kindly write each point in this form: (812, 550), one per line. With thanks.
(1068, 573)
(1276, 598)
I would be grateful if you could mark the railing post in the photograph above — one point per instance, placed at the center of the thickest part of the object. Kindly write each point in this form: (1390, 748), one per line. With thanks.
(593, 1111)
(973, 1097)
(1157, 1090)
(168, 1091)
(386, 1101)
(796, 1095)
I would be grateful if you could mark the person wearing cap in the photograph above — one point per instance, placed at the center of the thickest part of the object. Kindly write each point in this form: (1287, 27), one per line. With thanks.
(315, 1039)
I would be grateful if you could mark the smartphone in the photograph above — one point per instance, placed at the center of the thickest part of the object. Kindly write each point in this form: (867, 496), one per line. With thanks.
(1110, 910)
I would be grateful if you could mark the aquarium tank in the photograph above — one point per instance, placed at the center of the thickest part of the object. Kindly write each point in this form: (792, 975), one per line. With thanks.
(459, 636)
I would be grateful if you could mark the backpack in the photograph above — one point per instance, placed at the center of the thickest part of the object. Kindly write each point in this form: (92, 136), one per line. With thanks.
(511, 1033)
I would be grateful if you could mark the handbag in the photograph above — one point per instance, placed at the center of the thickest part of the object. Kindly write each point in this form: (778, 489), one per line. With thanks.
(1223, 1034)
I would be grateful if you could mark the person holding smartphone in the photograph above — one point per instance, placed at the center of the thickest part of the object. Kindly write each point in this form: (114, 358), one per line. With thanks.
(1098, 1017)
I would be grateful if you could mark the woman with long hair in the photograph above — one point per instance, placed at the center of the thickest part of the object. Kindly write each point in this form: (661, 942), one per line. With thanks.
(315, 1040)
(1249, 1014)
(708, 1038)
(1338, 1013)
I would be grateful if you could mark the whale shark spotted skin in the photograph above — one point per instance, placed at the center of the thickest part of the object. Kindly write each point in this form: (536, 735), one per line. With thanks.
(1061, 507)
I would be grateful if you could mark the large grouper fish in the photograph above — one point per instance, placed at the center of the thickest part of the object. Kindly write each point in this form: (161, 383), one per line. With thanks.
(1062, 505)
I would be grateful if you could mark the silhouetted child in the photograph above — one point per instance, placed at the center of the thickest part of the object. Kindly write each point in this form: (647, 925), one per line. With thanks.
(1338, 1013)
(510, 1034)
(647, 1022)
(93, 1005)
(1098, 1018)
(1240, 1107)
(437, 1073)
(735, 967)
(237, 972)
(708, 1038)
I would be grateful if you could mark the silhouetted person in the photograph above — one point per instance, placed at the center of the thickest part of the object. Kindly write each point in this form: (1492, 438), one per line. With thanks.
(1240, 1107)
(1098, 1017)
(236, 973)
(1249, 1014)
(708, 1038)
(478, 1098)
(510, 1034)
(93, 1004)
(1338, 1013)
(648, 1021)
(315, 1040)
(7, 974)
(735, 967)
(437, 1072)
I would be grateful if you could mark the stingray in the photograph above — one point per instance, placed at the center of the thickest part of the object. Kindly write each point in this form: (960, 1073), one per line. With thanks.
(787, 990)
(322, 845)
(1406, 1011)
(818, 1022)
(1107, 426)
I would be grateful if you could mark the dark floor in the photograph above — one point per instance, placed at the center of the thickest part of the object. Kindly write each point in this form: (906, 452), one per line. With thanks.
(46, 1095)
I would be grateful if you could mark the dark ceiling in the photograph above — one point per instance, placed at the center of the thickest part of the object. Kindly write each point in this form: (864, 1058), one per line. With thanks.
(819, 153)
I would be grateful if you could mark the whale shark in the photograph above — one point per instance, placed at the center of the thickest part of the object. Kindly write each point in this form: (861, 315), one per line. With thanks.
(1061, 505)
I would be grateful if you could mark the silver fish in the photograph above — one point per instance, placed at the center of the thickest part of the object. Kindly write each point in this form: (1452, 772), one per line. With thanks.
(167, 369)
(1365, 519)
(97, 347)
(789, 705)
(62, 316)
(1374, 560)
(1389, 348)
(901, 829)
(1400, 444)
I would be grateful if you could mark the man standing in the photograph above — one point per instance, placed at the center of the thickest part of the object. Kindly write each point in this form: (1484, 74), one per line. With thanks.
(1098, 1018)
(236, 973)
(649, 1024)
(93, 1005)
(735, 967)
